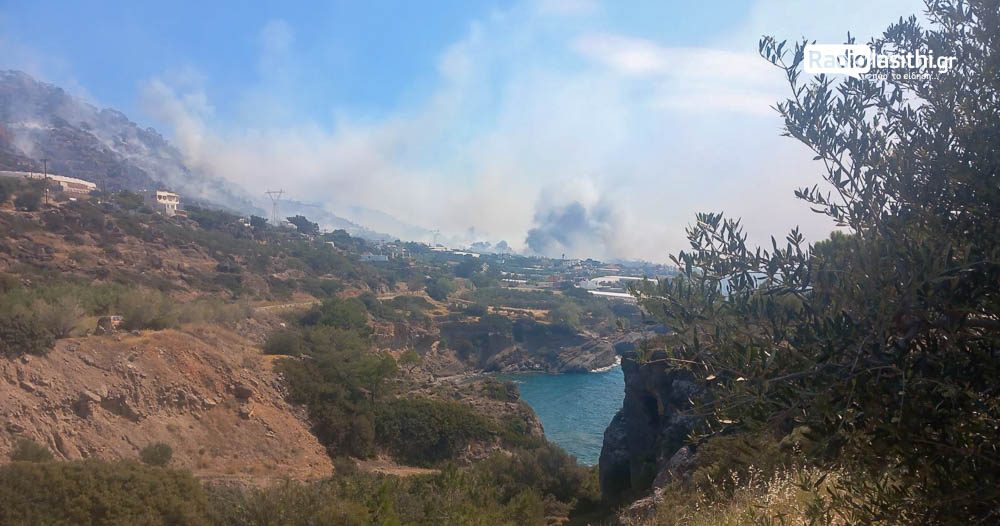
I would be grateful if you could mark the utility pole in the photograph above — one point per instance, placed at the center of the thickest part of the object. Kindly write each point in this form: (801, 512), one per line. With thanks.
(45, 180)
(275, 196)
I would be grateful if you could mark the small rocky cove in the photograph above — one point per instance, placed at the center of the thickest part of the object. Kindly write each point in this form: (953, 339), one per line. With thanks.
(574, 408)
(643, 444)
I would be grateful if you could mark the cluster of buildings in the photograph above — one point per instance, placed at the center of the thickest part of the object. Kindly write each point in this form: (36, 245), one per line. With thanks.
(160, 201)
(384, 251)
(608, 280)
(599, 278)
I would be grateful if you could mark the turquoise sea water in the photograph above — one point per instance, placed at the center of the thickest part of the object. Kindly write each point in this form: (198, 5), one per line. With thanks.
(574, 408)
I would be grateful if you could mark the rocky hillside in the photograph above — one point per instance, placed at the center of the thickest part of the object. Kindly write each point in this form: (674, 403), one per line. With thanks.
(85, 243)
(200, 297)
(42, 121)
(211, 255)
(205, 391)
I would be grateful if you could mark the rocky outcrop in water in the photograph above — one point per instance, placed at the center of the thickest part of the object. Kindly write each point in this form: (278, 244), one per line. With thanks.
(649, 429)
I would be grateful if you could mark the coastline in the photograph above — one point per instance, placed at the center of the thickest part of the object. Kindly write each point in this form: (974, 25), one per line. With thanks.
(618, 363)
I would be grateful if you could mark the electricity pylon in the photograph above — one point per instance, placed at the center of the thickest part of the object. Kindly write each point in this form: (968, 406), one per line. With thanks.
(275, 196)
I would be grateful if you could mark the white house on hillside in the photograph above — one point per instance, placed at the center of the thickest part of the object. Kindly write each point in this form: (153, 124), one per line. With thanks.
(163, 202)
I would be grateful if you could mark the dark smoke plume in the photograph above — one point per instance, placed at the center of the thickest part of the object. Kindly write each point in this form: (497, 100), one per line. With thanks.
(574, 230)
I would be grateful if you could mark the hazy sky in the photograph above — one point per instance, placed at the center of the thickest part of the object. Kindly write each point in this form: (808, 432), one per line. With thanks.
(599, 127)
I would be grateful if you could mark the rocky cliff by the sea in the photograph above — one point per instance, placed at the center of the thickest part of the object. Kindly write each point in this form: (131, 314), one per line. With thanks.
(644, 444)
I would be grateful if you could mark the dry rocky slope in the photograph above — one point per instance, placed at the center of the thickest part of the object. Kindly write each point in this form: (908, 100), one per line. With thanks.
(204, 390)
(207, 390)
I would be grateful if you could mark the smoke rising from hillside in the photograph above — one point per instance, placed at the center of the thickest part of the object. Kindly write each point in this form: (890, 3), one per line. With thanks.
(101, 145)
(476, 155)
(532, 92)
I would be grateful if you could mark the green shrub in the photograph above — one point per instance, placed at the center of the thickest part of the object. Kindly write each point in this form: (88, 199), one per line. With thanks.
(97, 492)
(304, 225)
(27, 450)
(476, 310)
(22, 333)
(230, 282)
(440, 288)
(157, 454)
(288, 503)
(210, 219)
(505, 391)
(547, 471)
(60, 317)
(147, 310)
(6, 189)
(345, 427)
(280, 289)
(410, 359)
(468, 267)
(28, 200)
(257, 222)
(128, 200)
(424, 431)
(284, 342)
(400, 308)
(349, 314)
(338, 380)
(568, 314)
(65, 296)
(322, 287)
(77, 256)
(409, 303)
